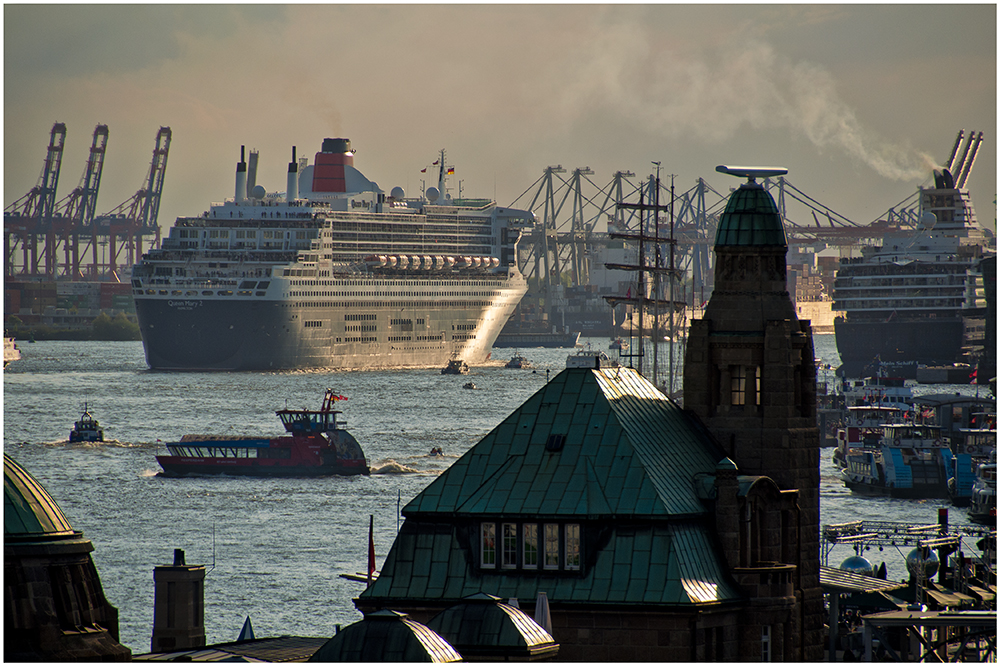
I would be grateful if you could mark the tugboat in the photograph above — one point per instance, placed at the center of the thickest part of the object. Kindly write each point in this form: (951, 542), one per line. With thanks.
(317, 444)
(87, 429)
(455, 366)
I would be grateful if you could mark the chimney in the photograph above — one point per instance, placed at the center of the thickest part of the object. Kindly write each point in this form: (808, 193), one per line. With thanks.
(292, 189)
(178, 606)
(241, 177)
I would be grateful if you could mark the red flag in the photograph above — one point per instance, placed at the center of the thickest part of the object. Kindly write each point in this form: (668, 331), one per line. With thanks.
(436, 161)
(371, 548)
(424, 170)
(972, 377)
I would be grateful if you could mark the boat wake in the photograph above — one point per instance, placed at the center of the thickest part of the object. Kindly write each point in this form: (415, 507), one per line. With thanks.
(392, 467)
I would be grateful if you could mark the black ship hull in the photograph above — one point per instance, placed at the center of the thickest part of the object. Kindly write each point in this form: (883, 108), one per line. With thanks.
(260, 336)
(526, 340)
(898, 345)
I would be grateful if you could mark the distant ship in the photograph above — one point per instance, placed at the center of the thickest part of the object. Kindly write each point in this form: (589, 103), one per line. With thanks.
(332, 273)
(918, 301)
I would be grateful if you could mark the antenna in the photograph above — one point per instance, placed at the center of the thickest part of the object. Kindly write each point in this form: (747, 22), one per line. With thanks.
(751, 173)
(213, 549)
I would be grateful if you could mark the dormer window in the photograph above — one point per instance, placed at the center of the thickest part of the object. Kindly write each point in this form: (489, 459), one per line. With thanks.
(530, 546)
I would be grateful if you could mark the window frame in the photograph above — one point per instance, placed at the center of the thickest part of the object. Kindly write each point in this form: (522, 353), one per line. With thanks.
(531, 562)
(487, 545)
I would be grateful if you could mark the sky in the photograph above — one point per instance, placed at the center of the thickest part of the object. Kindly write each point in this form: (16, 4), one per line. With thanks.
(857, 101)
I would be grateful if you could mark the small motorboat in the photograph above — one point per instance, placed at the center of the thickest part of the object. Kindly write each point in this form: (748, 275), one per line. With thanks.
(469, 385)
(87, 429)
(455, 366)
(517, 361)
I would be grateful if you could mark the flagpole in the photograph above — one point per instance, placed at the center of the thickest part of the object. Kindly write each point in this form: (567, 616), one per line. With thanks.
(371, 547)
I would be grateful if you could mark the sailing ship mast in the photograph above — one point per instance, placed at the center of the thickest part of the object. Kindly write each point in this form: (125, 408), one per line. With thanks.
(641, 300)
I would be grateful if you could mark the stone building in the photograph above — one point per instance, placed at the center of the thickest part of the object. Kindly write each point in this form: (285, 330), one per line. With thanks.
(54, 606)
(750, 377)
(657, 533)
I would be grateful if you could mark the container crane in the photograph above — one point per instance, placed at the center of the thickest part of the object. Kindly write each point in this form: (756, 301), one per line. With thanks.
(31, 215)
(127, 223)
(76, 211)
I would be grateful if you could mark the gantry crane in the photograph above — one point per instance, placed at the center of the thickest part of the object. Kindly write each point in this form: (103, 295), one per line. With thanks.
(127, 223)
(30, 218)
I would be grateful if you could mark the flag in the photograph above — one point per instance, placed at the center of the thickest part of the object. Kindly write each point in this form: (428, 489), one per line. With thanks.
(972, 377)
(436, 162)
(451, 170)
(424, 170)
(371, 547)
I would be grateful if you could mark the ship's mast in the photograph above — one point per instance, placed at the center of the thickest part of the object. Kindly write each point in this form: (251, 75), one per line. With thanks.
(441, 177)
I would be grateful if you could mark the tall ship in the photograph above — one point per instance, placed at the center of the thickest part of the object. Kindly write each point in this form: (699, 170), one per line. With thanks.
(332, 273)
(918, 300)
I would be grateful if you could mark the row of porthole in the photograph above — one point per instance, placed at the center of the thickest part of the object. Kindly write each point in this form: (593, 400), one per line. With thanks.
(192, 292)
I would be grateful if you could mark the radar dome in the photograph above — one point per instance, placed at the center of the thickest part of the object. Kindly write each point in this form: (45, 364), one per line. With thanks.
(928, 220)
(859, 565)
(915, 560)
(397, 193)
(258, 192)
(432, 194)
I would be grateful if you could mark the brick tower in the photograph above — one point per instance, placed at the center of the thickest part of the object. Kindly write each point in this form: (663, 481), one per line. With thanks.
(750, 376)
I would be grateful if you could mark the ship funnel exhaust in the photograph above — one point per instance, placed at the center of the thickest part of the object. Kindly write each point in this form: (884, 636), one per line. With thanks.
(241, 177)
(292, 189)
(330, 167)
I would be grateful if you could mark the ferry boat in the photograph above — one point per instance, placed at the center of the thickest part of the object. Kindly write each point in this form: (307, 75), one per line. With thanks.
(317, 444)
(910, 461)
(332, 273)
(918, 299)
(863, 429)
(86, 429)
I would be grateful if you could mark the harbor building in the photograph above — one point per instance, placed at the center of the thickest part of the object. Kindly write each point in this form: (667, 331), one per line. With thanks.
(54, 605)
(750, 377)
(656, 533)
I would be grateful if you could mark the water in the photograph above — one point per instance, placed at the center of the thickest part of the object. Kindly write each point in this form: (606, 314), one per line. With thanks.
(274, 547)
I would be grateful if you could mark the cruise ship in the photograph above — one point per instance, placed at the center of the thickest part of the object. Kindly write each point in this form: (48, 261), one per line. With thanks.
(332, 273)
(918, 300)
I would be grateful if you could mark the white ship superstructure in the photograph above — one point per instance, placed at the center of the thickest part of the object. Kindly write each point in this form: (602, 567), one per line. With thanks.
(333, 273)
(919, 300)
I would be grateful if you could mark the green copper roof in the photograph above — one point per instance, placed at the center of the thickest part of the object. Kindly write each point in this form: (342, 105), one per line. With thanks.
(626, 451)
(751, 218)
(483, 626)
(28, 509)
(387, 636)
(600, 447)
(670, 565)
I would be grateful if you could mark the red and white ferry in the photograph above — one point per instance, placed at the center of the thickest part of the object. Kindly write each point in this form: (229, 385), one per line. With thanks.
(317, 444)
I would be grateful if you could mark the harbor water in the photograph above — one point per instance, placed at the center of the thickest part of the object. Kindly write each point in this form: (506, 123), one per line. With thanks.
(274, 548)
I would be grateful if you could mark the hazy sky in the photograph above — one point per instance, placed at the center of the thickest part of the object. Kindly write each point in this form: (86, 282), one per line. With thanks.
(855, 100)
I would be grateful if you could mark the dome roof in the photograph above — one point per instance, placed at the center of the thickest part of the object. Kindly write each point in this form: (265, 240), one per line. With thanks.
(387, 635)
(28, 509)
(751, 218)
(483, 626)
